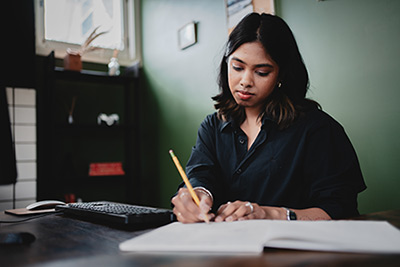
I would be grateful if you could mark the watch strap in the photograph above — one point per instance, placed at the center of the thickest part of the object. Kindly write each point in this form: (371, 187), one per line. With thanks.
(290, 214)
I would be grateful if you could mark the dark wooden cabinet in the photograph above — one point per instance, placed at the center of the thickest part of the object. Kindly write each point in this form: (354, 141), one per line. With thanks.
(66, 150)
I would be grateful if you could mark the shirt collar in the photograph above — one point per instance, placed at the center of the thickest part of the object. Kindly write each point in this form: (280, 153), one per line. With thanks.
(225, 124)
(265, 120)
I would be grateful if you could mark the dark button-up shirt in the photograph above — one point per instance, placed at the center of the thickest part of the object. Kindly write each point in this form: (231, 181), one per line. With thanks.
(309, 164)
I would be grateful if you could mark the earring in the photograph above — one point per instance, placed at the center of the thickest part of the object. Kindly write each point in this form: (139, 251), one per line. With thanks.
(279, 84)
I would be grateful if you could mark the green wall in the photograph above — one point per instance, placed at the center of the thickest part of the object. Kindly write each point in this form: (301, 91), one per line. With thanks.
(349, 47)
(178, 85)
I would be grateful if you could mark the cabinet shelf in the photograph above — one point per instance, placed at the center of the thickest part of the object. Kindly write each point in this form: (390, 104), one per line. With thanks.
(66, 150)
(93, 127)
(90, 76)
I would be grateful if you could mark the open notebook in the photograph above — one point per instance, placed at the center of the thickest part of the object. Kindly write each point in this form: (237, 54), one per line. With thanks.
(253, 235)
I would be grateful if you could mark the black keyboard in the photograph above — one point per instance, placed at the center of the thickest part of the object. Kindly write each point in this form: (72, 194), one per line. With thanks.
(118, 214)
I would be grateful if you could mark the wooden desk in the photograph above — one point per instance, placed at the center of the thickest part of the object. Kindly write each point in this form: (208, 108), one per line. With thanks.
(62, 241)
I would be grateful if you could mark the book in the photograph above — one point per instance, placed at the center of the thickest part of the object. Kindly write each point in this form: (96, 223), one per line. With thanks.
(251, 236)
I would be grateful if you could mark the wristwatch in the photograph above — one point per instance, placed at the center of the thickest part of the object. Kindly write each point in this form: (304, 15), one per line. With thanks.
(290, 215)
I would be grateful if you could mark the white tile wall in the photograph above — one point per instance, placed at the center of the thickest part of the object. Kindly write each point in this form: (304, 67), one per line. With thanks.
(25, 115)
(22, 107)
(26, 170)
(26, 190)
(10, 96)
(6, 192)
(25, 133)
(25, 97)
(26, 152)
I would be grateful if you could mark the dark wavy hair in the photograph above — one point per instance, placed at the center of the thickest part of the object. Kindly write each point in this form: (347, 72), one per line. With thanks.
(286, 102)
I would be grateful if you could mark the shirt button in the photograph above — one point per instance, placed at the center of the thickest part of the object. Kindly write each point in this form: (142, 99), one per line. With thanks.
(241, 141)
(239, 171)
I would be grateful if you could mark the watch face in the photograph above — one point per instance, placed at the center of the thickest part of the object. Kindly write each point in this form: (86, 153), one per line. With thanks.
(292, 215)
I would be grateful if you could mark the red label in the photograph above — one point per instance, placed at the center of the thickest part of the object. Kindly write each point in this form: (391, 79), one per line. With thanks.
(106, 168)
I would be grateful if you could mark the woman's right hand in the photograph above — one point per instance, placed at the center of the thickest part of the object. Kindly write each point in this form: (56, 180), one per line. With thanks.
(187, 211)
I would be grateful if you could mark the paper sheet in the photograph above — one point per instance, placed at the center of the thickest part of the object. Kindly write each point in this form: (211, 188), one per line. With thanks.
(340, 236)
(253, 235)
(201, 237)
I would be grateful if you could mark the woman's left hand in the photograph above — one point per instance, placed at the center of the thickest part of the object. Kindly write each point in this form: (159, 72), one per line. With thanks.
(244, 210)
(240, 210)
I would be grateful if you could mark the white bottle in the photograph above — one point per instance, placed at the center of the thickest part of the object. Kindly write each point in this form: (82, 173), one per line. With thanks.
(113, 67)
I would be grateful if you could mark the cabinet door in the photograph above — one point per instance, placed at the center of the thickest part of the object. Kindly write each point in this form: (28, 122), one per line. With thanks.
(71, 145)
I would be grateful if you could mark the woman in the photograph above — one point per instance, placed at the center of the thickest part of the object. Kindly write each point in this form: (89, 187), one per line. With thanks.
(268, 152)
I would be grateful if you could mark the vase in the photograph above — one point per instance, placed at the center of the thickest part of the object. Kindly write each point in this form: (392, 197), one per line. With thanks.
(72, 61)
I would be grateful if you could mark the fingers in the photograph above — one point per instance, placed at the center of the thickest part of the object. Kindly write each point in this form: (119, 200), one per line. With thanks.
(186, 209)
(237, 210)
(206, 203)
(205, 200)
(204, 206)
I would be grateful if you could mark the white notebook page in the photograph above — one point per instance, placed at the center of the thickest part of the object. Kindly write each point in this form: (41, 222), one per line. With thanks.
(253, 235)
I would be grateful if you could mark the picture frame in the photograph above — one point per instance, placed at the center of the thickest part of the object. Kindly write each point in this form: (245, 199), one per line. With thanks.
(237, 9)
(187, 35)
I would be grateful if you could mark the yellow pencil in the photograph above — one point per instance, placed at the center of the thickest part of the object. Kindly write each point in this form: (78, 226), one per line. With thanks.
(186, 180)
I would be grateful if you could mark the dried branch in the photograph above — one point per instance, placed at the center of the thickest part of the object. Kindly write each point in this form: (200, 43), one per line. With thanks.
(86, 47)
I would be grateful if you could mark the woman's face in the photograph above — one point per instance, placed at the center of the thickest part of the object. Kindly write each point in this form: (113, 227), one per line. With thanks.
(252, 75)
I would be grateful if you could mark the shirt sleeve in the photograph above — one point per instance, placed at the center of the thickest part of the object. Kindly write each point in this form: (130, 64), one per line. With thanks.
(332, 169)
(202, 169)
